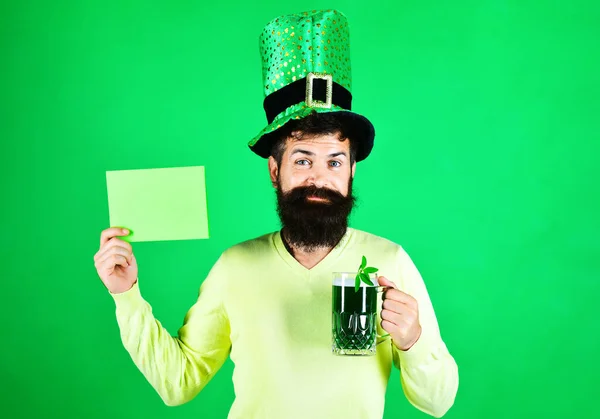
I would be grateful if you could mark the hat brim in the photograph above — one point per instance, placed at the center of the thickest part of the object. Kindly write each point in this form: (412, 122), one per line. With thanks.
(360, 128)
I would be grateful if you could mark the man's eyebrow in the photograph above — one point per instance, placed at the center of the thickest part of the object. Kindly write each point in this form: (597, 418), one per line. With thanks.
(310, 153)
(339, 153)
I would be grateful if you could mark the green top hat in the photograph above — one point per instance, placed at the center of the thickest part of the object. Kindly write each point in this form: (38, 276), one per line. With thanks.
(306, 68)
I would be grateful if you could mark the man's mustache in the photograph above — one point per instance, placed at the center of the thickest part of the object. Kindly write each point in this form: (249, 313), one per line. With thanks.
(301, 193)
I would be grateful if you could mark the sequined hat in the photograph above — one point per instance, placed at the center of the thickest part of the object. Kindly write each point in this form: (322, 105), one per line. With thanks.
(306, 68)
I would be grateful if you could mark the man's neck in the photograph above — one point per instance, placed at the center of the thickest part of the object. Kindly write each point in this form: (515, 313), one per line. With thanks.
(309, 258)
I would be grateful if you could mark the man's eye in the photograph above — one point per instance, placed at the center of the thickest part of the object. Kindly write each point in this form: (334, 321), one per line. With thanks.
(335, 163)
(302, 162)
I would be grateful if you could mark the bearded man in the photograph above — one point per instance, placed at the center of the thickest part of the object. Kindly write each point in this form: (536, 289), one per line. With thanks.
(267, 302)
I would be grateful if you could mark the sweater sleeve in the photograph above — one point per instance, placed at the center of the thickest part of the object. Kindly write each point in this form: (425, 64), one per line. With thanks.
(177, 367)
(428, 373)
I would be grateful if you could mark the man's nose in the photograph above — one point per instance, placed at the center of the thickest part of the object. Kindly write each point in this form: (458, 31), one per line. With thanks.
(318, 178)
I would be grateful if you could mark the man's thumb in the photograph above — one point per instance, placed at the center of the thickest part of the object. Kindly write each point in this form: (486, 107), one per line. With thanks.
(384, 282)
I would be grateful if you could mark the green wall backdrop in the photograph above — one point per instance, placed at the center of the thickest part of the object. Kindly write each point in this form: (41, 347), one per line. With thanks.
(485, 169)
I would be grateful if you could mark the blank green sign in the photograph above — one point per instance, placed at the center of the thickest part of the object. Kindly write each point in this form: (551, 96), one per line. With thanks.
(159, 204)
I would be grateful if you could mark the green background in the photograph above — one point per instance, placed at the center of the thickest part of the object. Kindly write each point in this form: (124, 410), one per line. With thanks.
(485, 169)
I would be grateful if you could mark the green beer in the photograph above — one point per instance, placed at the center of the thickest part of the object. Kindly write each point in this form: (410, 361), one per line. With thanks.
(354, 316)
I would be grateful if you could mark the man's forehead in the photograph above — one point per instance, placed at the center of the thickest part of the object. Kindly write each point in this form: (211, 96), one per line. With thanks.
(326, 142)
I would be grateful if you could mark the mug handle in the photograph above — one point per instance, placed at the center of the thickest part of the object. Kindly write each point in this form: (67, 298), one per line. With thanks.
(382, 338)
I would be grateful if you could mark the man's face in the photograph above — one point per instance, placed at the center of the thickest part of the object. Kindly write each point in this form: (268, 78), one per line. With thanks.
(314, 190)
(322, 161)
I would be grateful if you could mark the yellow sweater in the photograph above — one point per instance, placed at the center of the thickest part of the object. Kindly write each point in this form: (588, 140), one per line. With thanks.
(260, 306)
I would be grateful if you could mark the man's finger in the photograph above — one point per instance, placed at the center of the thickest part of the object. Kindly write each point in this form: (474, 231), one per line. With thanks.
(115, 241)
(388, 326)
(114, 251)
(112, 244)
(112, 261)
(109, 233)
(395, 306)
(391, 317)
(402, 297)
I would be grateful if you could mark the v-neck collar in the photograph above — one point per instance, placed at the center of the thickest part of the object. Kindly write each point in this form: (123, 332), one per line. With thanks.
(322, 266)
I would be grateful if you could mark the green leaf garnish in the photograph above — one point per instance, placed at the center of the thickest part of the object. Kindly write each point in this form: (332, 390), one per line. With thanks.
(363, 274)
(365, 278)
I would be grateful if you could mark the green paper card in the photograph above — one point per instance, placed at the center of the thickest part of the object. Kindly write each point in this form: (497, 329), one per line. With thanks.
(158, 204)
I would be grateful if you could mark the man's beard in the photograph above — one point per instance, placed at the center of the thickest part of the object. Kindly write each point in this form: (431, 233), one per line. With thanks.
(314, 224)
